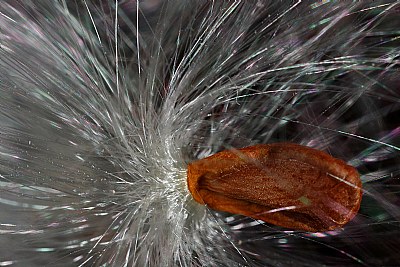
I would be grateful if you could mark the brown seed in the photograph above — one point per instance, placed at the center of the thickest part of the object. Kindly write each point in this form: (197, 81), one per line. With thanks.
(285, 184)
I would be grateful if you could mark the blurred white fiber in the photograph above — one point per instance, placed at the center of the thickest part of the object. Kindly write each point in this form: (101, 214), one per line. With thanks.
(103, 104)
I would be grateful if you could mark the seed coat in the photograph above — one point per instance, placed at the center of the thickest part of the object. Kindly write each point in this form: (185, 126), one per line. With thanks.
(285, 184)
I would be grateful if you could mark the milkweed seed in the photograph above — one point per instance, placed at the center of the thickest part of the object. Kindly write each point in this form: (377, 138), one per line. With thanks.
(285, 184)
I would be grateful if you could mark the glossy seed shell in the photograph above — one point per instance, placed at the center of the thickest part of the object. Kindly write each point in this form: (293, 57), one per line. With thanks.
(285, 184)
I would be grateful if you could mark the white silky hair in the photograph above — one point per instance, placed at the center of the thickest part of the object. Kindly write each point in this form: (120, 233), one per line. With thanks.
(104, 103)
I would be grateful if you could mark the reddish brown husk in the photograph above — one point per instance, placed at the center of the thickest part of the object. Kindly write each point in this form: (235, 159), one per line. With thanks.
(285, 184)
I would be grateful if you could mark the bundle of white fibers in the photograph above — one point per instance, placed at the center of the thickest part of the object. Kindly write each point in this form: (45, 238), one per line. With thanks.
(104, 103)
